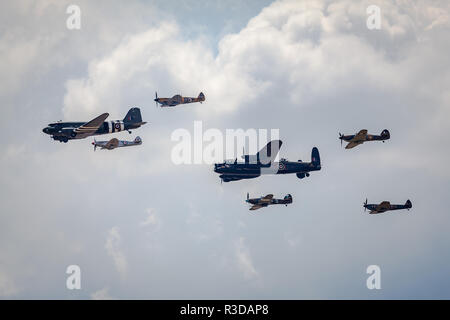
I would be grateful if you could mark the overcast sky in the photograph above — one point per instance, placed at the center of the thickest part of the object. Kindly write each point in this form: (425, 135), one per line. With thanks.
(140, 226)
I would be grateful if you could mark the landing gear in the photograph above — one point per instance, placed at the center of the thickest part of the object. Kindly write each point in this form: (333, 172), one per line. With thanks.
(129, 131)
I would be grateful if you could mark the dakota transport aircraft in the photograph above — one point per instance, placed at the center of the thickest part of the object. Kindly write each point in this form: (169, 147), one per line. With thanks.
(362, 136)
(264, 159)
(65, 131)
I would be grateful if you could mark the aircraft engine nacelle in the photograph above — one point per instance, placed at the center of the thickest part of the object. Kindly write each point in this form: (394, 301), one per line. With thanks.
(302, 175)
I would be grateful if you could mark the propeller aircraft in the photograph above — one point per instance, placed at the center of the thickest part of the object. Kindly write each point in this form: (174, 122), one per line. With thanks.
(362, 136)
(177, 99)
(386, 206)
(258, 203)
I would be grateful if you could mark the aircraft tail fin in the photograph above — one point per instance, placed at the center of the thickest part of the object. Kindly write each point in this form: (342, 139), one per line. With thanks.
(201, 97)
(385, 134)
(138, 139)
(133, 115)
(408, 204)
(288, 197)
(268, 154)
(315, 157)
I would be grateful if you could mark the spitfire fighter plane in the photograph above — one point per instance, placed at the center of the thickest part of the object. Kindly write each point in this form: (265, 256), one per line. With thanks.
(362, 136)
(262, 202)
(177, 99)
(115, 143)
(386, 206)
(263, 163)
(65, 131)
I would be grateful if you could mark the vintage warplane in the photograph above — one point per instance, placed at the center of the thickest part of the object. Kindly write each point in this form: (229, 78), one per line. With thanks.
(115, 143)
(177, 99)
(362, 136)
(267, 200)
(263, 163)
(65, 131)
(386, 206)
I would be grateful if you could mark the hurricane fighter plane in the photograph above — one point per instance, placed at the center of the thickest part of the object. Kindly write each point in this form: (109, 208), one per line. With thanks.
(263, 163)
(362, 136)
(386, 206)
(262, 202)
(177, 99)
(65, 131)
(115, 143)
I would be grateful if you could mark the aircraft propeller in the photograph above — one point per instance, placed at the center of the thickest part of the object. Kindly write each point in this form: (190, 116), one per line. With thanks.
(340, 137)
(365, 205)
(247, 196)
(156, 99)
(95, 145)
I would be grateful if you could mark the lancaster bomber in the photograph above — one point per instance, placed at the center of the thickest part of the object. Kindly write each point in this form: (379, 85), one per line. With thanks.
(386, 206)
(267, 200)
(362, 136)
(115, 143)
(177, 99)
(65, 131)
(263, 163)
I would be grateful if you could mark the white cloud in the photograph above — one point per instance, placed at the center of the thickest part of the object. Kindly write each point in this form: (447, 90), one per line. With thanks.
(152, 219)
(244, 260)
(102, 294)
(7, 285)
(113, 248)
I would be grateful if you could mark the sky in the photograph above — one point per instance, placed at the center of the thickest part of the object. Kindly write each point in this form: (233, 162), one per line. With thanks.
(141, 227)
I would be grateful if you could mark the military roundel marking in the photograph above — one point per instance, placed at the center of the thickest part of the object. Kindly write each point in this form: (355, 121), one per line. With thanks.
(281, 166)
(117, 125)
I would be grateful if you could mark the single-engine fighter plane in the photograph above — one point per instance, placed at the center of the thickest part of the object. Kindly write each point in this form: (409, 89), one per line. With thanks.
(65, 131)
(386, 206)
(362, 136)
(115, 143)
(262, 202)
(177, 99)
(263, 163)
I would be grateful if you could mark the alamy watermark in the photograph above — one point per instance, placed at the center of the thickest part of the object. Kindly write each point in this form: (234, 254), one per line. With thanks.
(374, 280)
(212, 145)
(73, 22)
(373, 21)
(73, 281)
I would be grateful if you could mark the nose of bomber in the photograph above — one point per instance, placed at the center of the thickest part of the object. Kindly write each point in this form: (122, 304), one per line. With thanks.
(45, 130)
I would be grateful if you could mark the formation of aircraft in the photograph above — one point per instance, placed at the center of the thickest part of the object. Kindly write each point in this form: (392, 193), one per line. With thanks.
(65, 131)
(254, 164)
(177, 99)
(262, 202)
(115, 143)
(362, 136)
(386, 206)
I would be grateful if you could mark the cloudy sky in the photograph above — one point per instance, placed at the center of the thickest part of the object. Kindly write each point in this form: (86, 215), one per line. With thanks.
(140, 226)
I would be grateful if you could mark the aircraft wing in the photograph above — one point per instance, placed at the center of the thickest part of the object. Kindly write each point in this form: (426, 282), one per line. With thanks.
(353, 144)
(267, 198)
(112, 144)
(360, 136)
(256, 207)
(268, 154)
(90, 127)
